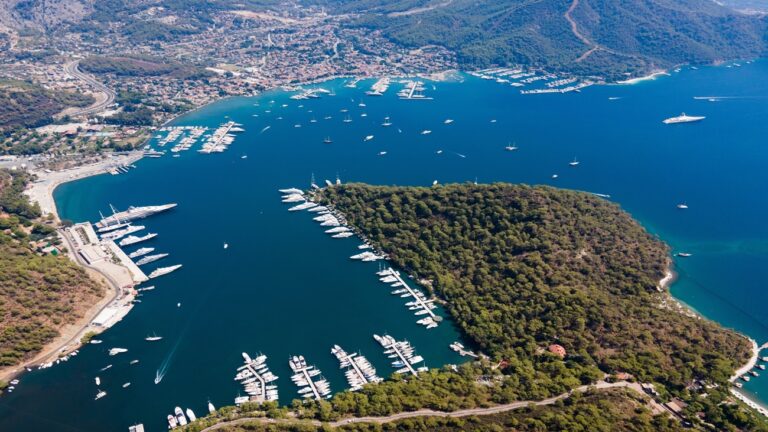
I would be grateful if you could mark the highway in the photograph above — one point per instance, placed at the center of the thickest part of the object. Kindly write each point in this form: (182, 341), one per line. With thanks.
(73, 69)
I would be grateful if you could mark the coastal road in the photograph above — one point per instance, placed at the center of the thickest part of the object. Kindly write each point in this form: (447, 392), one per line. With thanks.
(73, 68)
(600, 385)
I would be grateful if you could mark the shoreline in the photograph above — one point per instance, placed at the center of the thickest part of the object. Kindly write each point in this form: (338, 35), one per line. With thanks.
(70, 335)
(42, 189)
(650, 77)
(670, 276)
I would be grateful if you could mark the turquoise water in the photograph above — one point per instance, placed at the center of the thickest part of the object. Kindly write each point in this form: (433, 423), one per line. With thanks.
(283, 287)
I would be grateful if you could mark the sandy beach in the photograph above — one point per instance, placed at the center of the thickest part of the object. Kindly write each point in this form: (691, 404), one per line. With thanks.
(650, 77)
(41, 191)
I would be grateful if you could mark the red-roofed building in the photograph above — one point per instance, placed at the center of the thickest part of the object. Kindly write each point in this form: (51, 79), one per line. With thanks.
(557, 350)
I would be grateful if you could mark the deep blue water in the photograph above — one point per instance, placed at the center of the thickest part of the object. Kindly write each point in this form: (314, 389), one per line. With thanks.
(283, 287)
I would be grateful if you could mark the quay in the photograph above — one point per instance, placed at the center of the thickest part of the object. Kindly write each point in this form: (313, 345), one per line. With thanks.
(104, 255)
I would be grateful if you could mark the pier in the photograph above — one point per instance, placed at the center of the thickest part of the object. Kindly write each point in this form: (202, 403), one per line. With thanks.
(359, 369)
(421, 304)
(390, 344)
(255, 382)
(303, 378)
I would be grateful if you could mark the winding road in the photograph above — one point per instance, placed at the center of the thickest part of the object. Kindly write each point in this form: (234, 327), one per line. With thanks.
(73, 68)
(575, 29)
(601, 385)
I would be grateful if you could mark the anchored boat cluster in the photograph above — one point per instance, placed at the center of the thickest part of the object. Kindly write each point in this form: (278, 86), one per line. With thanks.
(304, 377)
(359, 370)
(183, 138)
(420, 304)
(255, 377)
(119, 228)
(402, 355)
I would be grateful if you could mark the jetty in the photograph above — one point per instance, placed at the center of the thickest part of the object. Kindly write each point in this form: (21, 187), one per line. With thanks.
(302, 377)
(412, 91)
(255, 377)
(402, 353)
(359, 369)
(419, 304)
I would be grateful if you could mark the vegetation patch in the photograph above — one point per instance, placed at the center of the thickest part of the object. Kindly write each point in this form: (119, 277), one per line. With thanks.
(39, 292)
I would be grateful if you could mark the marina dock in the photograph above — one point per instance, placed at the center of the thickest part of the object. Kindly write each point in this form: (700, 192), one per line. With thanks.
(419, 304)
(255, 377)
(303, 379)
(359, 369)
(403, 354)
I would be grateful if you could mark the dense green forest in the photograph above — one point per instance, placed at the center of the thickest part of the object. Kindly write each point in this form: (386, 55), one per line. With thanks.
(524, 267)
(521, 268)
(23, 104)
(38, 292)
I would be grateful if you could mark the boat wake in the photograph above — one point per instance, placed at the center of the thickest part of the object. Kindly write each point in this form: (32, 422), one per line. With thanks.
(265, 129)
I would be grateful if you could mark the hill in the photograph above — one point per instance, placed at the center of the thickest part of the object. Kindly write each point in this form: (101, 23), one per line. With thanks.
(39, 293)
(525, 267)
(630, 36)
(24, 104)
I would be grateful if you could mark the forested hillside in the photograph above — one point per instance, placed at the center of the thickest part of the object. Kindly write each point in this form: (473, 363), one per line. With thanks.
(39, 293)
(525, 267)
(24, 104)
(632, 35)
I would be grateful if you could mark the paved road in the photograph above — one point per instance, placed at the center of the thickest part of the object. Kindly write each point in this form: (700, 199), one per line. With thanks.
(431, 413)
(73, 69)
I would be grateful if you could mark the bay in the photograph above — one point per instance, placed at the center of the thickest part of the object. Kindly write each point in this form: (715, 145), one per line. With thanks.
(283, 287)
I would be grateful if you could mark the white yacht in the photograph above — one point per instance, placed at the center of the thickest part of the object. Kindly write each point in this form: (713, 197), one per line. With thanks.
(683, 118)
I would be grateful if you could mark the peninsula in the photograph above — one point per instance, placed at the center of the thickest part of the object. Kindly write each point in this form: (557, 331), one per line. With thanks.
(560, 288)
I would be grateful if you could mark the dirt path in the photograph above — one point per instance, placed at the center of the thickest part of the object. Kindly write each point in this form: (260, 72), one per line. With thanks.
(575, 29)
(601, 385)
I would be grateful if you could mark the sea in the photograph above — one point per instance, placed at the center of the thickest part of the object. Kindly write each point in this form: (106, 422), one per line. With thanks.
(283, 287)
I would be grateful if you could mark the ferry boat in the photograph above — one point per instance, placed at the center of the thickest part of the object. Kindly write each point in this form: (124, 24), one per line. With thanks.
(683, 118)
(164, 271)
